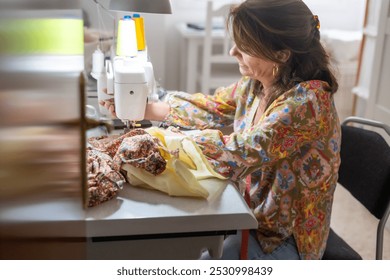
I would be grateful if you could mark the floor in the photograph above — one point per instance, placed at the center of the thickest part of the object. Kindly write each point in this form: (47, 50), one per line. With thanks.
(357, 226)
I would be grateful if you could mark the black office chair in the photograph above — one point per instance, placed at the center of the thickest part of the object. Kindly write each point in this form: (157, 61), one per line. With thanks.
(365, 173)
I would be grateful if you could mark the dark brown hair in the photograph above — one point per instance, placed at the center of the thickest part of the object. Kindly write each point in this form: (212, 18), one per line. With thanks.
(261, 28)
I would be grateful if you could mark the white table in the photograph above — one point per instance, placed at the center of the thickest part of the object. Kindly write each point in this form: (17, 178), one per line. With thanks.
(191, 41)
(138, 224)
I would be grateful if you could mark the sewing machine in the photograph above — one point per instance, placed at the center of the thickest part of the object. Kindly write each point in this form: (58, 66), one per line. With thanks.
(131, 81)
(128, 76)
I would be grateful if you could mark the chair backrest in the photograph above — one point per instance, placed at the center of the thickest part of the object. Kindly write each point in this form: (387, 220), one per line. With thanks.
(215, 18)
(365, 170)
(365, 167)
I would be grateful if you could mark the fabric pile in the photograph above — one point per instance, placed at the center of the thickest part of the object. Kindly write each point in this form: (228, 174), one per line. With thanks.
(161, 159)
(107, 154)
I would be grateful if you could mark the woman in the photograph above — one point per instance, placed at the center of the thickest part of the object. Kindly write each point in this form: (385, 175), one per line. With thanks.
(286, 129)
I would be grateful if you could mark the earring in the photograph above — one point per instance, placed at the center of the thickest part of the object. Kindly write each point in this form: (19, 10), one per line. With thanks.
(275, 70)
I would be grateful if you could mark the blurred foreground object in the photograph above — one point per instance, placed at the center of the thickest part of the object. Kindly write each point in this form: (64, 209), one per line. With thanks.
(42, 126)
(40, 100)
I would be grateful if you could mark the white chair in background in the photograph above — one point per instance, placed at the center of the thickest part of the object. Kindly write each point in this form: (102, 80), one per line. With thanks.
(218, 67)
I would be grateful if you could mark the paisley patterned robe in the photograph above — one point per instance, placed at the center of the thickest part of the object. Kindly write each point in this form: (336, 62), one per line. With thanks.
(291, 154)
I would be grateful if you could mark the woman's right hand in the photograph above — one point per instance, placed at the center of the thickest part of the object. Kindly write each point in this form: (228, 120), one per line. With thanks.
(156, 111)
(109, 104)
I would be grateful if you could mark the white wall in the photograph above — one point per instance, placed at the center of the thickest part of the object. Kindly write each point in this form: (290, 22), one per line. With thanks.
(338, 14)
(183, 11)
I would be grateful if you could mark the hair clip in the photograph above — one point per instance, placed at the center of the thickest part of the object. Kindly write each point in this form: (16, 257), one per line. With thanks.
(317, 22)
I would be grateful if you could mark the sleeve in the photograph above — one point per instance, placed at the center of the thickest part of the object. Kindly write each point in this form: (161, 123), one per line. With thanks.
(200, 111)
(289, 124)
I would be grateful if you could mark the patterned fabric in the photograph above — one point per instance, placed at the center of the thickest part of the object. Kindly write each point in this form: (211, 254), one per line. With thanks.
(103, 181)
(136, 147)
(292, 155)
(107, 154)
(141, 151)
(109, 144)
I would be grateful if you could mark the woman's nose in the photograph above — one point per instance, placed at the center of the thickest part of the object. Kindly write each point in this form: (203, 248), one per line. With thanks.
(233, 50)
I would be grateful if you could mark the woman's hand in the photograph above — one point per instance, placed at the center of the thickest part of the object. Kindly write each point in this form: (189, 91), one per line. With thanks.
(155, 111)
(109, 105)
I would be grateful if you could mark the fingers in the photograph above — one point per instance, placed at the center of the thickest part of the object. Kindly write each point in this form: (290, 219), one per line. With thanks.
(111, 109)
(104, 102)
(109, 105)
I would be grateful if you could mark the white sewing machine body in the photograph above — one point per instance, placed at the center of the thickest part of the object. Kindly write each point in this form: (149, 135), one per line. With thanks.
(131, 81)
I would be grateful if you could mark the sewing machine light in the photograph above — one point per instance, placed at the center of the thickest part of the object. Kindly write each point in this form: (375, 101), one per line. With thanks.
(142, 6)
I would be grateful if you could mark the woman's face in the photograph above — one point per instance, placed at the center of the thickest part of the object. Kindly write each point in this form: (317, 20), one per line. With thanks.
(254, 67)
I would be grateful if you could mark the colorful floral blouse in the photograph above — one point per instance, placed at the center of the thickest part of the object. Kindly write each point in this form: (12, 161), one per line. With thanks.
(292, 155)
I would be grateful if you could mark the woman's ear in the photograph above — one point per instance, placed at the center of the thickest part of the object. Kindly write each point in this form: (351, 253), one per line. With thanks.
(283, 55)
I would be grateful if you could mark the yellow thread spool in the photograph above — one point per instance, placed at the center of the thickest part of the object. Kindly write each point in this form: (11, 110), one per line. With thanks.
(140, 31)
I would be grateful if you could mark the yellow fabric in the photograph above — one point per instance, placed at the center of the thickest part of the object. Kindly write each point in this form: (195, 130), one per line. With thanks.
(184, 173)
(174, 143)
